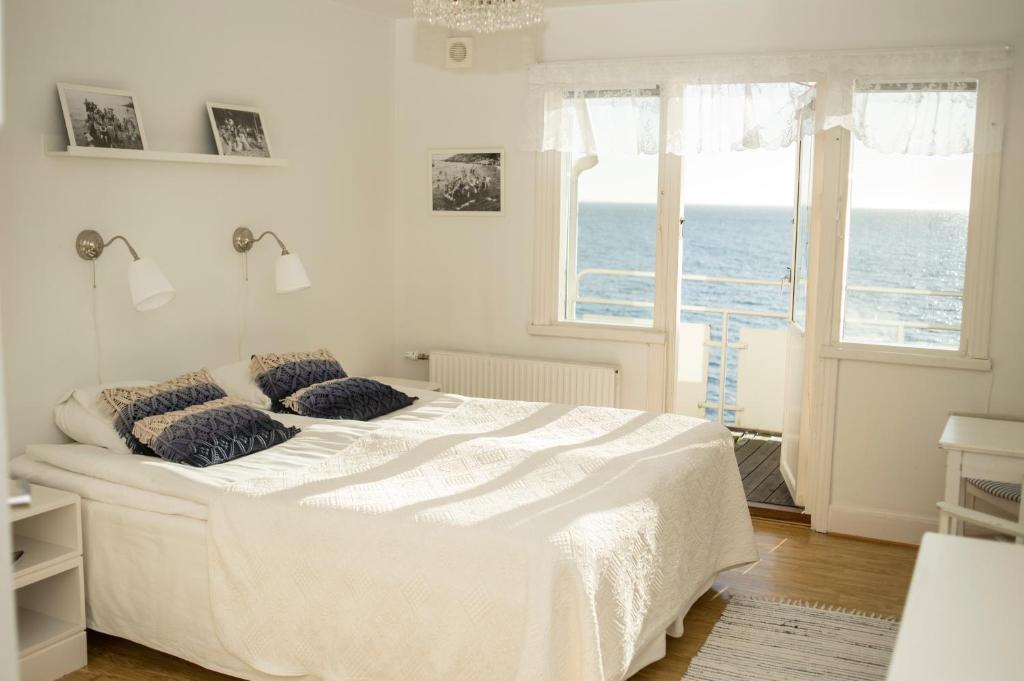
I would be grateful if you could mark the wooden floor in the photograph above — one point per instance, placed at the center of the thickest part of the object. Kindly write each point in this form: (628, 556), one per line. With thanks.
(758, 457)
(796, 563)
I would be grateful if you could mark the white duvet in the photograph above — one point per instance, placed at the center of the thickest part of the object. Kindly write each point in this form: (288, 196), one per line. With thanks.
(508, 540)
(456, 539)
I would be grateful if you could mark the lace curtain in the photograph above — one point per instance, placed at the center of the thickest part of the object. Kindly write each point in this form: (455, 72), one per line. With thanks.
(932, 118)
(732, 103)
(609, 122)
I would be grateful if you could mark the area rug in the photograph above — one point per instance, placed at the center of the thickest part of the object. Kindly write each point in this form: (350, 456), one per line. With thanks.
(764, 640)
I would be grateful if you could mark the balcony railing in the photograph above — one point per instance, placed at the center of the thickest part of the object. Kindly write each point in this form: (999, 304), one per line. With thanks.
(724, 344)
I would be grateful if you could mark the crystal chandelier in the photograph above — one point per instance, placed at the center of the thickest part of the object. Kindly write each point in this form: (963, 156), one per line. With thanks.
(480, 16)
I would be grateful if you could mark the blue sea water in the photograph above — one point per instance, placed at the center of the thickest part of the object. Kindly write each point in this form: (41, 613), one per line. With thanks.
(921, 249)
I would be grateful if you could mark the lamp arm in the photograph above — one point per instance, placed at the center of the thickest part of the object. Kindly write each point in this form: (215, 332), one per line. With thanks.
(284, 249)
(135, 255)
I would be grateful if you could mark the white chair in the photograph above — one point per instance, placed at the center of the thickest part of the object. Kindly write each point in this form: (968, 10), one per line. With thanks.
(949, 513)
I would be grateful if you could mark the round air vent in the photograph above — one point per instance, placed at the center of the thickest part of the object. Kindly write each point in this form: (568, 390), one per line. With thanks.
(459, 53)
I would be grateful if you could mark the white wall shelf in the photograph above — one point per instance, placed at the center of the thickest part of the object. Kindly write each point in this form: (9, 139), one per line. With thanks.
(58, 149)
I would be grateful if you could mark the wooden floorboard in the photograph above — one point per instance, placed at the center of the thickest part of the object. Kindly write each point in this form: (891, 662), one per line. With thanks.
(758, 478)
(744, 448)
(771, 478)
(758, 457)
(795, 563)
(763, 451)
(781, 495)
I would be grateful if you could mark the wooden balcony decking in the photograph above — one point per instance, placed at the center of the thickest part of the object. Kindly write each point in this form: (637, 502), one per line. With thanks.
(758, 455)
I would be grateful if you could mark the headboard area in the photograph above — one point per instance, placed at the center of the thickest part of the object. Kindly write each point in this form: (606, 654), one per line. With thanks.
(331, 203)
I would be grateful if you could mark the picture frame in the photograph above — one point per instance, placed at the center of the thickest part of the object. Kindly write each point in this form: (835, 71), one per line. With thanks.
(238, 130)
(469, 181)
(101, 117)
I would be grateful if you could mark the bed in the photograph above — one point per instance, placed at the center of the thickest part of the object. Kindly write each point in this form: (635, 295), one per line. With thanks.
(454, 539)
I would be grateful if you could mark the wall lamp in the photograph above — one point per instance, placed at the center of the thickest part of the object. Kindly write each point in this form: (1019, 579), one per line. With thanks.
(289, 274)
(148, 285)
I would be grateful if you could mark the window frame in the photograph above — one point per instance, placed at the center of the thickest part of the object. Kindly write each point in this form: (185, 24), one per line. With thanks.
(979, 265)
(550, 249)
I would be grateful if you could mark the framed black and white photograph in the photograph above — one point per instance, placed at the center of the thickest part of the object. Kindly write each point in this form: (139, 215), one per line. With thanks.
(467, 182)
(238, 130)
(101, 117)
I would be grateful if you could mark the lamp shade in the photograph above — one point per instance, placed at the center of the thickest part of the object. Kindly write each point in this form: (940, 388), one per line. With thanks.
(150, 288)
(291, 275)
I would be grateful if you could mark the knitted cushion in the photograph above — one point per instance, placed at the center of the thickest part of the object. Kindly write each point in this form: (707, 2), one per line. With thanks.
(132, 404)
(280, 375)
(357, 399)
(211, 433)
(1004, 490)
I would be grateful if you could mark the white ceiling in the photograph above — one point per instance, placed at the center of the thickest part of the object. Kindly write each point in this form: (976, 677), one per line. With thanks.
(403, 8)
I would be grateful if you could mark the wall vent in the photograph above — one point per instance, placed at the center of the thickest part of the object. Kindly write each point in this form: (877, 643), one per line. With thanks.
(459, 53)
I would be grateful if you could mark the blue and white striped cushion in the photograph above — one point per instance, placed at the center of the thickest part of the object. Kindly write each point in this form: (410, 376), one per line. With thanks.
(1003, 490)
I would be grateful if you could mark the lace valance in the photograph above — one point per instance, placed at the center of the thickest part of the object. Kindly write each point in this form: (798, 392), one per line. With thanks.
(730, 103)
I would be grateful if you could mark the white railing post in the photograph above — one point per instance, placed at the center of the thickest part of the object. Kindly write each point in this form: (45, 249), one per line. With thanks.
(723, 358)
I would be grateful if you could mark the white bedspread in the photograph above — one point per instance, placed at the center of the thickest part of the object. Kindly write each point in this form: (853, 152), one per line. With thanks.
(505, 541)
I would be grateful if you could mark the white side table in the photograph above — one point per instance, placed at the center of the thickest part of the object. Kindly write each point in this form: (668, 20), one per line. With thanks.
(395, 382)
(48, 585)
(964, 614)
(981, 448)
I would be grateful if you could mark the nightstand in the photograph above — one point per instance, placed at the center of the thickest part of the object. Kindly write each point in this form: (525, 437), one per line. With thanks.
(395, 382)
(48, 585)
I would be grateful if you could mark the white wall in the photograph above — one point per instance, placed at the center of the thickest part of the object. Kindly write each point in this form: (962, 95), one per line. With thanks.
(464, 282)
(328, 110)
(8, 630)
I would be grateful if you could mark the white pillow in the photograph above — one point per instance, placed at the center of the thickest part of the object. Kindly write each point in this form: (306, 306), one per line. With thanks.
(237, 381)
(80, 417)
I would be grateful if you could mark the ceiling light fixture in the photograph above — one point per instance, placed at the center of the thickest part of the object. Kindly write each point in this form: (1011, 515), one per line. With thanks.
(480, 16)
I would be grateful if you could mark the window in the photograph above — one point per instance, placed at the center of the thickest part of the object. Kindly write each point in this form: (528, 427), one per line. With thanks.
(610, 216)
(611, 230)
(906, 236)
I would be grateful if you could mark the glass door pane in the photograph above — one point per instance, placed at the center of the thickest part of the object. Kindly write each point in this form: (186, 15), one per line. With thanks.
(738, 251)
(802, 231)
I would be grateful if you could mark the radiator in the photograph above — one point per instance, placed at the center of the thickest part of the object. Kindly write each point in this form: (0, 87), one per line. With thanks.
(521, 378)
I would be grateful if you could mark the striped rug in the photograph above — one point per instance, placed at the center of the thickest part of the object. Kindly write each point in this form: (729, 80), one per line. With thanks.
(764, 640)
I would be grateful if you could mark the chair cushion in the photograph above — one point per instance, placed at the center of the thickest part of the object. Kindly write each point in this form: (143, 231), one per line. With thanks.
(1003, 490)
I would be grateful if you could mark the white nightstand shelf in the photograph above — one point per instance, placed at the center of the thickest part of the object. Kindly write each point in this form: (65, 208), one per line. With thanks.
(48, 585)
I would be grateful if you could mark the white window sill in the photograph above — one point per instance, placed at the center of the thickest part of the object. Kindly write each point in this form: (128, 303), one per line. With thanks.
(603, 332)
(906, 356)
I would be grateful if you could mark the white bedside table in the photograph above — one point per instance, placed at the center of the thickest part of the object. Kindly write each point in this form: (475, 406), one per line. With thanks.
(395, 382)
(48, 585)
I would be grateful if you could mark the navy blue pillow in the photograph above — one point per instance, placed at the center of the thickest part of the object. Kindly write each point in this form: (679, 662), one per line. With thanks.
(356, 399)
(211, 433)
(280, 375)
(131, 405)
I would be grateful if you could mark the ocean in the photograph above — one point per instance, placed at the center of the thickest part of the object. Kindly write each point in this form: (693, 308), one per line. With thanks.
(922, 249)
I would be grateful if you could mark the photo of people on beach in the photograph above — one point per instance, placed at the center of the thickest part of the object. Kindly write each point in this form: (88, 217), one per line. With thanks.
(98, 117)
(467, 182)
(238, 130)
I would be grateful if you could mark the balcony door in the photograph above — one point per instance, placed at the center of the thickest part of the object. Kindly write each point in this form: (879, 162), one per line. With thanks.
(739, 266)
